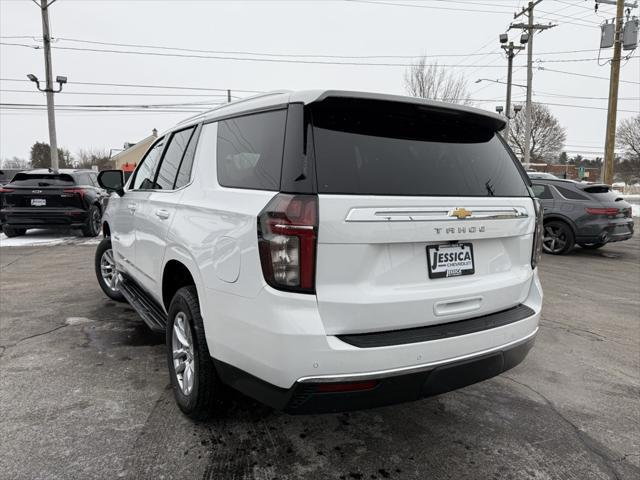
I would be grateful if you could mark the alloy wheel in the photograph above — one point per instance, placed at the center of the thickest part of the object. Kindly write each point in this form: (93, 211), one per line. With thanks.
(108, 269)
(554, 240)
(182, 347)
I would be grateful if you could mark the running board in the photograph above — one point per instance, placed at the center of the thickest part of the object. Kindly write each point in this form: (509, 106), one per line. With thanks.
(152, 313)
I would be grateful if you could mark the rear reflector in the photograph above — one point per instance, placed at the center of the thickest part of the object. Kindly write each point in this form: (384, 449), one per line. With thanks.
(346, 387)
(611, 212)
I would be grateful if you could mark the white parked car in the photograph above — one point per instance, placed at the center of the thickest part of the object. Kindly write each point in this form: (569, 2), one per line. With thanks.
(328, 250)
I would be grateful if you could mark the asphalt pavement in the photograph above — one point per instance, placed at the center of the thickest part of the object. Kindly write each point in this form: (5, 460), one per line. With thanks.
(84, 393)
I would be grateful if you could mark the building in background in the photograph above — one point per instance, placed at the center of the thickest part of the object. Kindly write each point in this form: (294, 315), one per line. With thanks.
(128, 159)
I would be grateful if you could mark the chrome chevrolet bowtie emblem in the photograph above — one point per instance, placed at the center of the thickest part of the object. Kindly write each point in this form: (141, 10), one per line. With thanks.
(460, 213)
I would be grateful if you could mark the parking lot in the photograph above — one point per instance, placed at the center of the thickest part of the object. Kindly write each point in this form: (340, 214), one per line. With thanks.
(84, 392)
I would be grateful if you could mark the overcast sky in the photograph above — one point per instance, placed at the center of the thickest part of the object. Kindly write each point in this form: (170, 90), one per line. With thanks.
(330, 28)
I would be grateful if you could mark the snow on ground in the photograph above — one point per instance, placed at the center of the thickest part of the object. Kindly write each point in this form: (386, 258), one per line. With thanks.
(38, 237)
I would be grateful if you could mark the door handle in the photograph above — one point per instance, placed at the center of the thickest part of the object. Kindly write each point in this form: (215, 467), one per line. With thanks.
(162, 213)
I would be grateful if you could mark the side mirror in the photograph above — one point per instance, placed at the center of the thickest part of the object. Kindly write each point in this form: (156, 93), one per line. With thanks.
(112, 181)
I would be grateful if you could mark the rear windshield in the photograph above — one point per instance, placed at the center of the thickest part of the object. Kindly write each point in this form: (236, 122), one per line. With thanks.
(385, 148)
(603, 193)
(42, 180)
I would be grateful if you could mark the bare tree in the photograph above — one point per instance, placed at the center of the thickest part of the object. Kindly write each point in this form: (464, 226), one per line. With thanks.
(15, 163)
(434, 82)
(547, 135)
(628, 137)
(87, 158)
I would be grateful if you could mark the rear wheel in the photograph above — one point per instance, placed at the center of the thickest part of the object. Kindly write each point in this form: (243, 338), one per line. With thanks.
(94, 222)
(558, 238)
(592, 246)
(196, 386)
(105, 267)
(13, 232)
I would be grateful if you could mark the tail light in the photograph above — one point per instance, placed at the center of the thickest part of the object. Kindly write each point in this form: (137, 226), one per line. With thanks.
(609, 212)
(6, 190)
(537, 234)
(287, 239)
(74, 191)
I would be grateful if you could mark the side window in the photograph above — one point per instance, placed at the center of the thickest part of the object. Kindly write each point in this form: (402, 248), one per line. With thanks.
(541, 191)
(172, 159)
(94, 179)
(147, 170)
(249, 152)
(184, 174)
(570, 194)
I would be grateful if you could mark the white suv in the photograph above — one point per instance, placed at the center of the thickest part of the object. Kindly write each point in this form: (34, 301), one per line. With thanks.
(328, 250)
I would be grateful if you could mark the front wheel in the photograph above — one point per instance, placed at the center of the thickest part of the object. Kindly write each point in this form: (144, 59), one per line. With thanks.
(105, 266)
(196, 386)
(592, 246)
(558, 238)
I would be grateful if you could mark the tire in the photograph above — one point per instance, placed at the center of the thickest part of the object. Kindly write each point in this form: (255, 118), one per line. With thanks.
(94, 222)
(592, 246)
(13, 232)
(201, 394)
(105, 270)
(558, 238)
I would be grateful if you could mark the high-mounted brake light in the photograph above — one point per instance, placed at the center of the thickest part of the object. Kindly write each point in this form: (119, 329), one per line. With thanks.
(610, 212)
(287, 239)
(537, 234)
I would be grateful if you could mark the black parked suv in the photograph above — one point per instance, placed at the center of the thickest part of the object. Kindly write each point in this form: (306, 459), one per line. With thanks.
(588, 214)
(43, 199)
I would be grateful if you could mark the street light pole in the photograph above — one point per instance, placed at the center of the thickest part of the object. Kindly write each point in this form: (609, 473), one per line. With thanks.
(51, 116)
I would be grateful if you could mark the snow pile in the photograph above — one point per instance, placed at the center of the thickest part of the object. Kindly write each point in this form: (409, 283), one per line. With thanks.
(37, 237)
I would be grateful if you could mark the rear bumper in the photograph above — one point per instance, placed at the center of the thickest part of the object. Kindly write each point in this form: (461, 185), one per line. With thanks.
(606, 232)
(43, 217)
(420, 382)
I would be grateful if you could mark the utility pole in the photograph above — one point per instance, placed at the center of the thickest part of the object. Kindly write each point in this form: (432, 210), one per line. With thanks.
(510, 50)
(612, 110)
(531, 28)
(51, 116)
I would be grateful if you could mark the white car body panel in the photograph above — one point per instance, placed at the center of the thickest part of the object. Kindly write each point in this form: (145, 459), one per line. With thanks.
(370, 275)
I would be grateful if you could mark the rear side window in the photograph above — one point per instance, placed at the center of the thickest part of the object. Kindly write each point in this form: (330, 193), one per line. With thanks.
(184, 173)
(83, 179)
(370, 147)
(147, 170)
(42, 180)
(249, 150)
(172, 159)
(570, 194)
(541, 191)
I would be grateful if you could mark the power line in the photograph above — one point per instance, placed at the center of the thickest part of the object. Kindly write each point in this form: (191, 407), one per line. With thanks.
(280, 60)
(430, 7)
(545, 69)
(296, 55)
(65, 93)
(138, 85)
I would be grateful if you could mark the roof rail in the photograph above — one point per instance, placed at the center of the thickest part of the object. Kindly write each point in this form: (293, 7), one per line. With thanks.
(235, 102)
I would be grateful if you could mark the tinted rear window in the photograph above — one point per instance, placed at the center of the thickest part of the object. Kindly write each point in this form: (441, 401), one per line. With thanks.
(250, 150)
(603, 193)
(42, 180)
(385, 148)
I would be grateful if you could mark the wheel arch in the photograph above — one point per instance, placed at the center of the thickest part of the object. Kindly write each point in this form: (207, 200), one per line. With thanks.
(561, 218)
(106, 229)
(175, 275)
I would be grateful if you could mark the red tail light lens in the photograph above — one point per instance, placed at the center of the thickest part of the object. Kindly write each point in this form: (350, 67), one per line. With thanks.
(74, 191)
(6, 190)
(610, 212)
(287, 240)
